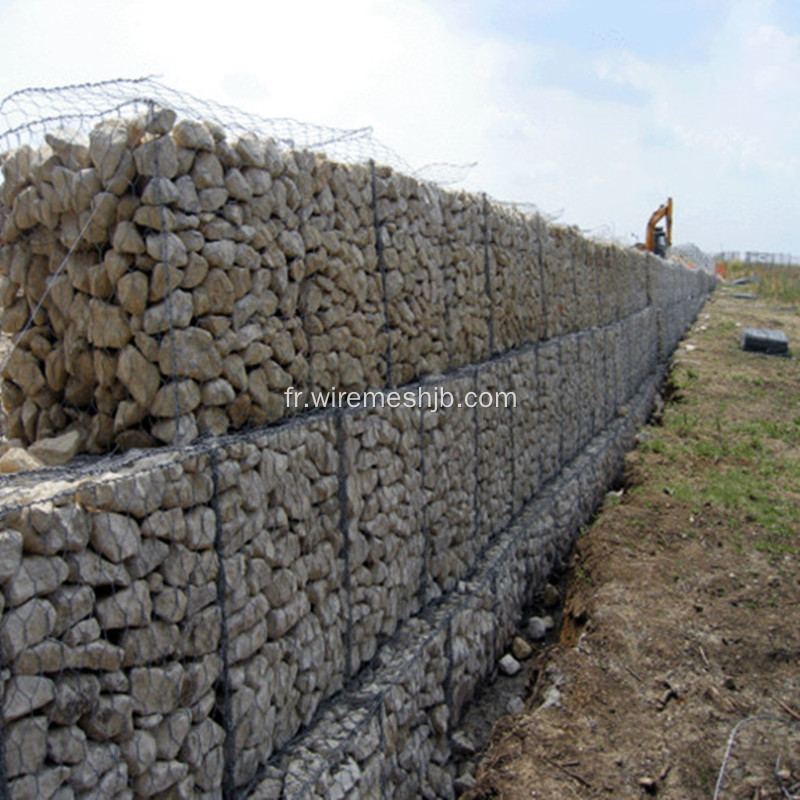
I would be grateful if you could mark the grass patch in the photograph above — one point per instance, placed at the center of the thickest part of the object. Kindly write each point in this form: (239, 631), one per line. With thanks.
(780, 282)
(729, 439)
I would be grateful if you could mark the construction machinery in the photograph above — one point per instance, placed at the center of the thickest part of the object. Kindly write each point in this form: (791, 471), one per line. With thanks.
(659, 237)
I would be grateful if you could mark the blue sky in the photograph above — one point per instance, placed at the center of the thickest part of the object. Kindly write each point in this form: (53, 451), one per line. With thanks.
(593, 111)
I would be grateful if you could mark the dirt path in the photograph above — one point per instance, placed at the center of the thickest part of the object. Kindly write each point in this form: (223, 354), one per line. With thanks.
(682, 615)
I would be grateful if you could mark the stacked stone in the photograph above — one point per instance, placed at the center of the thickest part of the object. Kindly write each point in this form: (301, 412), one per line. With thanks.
(110, 639)
(676, 294)
(120, 606)
(645, 349)
(494, 432)
(341, 291)
(207, 277)
(593, 351)
(525, 454)
(468, 310)
(632, 283)
(571, 414)
(617, 367)
(158, 620)
(166, 281)
(410, 216)
(450, 485)
(281, 548)
(113, 627)
(414, 710)
(384, 531)
(515, 277)
(605, 267)
(587, 311)
(558, 280)
(549, 381)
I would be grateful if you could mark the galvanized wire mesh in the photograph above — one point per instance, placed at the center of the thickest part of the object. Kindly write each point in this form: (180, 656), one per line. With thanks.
(28, 115)
(172, 620)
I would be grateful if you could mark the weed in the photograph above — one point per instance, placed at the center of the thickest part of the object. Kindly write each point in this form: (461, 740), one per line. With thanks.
(653, 446)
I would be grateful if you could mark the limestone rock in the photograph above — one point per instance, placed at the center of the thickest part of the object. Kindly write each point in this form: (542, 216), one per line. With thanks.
(536, 628)
(140, 377)
(17, 459)
(175, 312)
(24, 694)
(10, 553)
(111, 720)
(132, 292)
(57, 450)
(158, 157)
(108, 143)
(509, 665)
(127, 238)
(520, 649)
(115, 536)
(108, 325)
(66, 745)
(139, 752)
(37, 575)
(25, 626)
(189, 353)
(89, 568)
(167, 248)
(192, 135)
(176, 398)
(128, 608)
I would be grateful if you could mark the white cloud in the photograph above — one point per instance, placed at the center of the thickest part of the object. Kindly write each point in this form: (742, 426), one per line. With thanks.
(604, 134)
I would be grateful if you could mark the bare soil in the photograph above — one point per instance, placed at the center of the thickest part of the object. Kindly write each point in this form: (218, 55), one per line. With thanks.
(682, 610)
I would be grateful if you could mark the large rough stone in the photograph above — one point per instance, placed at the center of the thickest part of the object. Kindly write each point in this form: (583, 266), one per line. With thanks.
(128, 608)
(192, 135)
(150, 644)
(57, 450)
(160, 190)
(109, 326)
(108, 142)
(37, 575)
(111, 718)
(167, 248)
(72, 604)
(10, 553)
(158, 157)
(176, 311)
(140, 377)
(26, 626)
(89, 568)
(190, 353)
(132, 292)
(75, 695)
(128, 239)
(18, 459)
(115, 536)
(24, 369)
(66, 745)
(25, 694)
(160, 777)
(139, 752)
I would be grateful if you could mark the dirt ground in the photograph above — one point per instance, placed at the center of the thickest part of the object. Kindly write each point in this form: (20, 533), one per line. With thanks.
(682, 611)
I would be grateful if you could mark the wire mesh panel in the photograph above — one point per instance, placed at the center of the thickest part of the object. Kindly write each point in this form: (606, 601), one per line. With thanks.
(191, 293)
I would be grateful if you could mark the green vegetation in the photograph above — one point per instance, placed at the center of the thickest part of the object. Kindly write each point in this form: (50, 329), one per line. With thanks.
(729, 437)
(775, 280)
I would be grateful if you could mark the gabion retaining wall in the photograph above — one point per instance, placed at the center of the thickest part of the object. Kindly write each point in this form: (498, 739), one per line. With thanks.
(301, 609)
(162, 282)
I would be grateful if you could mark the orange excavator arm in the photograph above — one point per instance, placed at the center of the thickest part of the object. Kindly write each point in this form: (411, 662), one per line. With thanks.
(658, 243)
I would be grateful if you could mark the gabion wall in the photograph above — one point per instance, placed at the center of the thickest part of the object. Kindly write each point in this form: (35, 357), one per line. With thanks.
(162, 282)
(173, 620)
